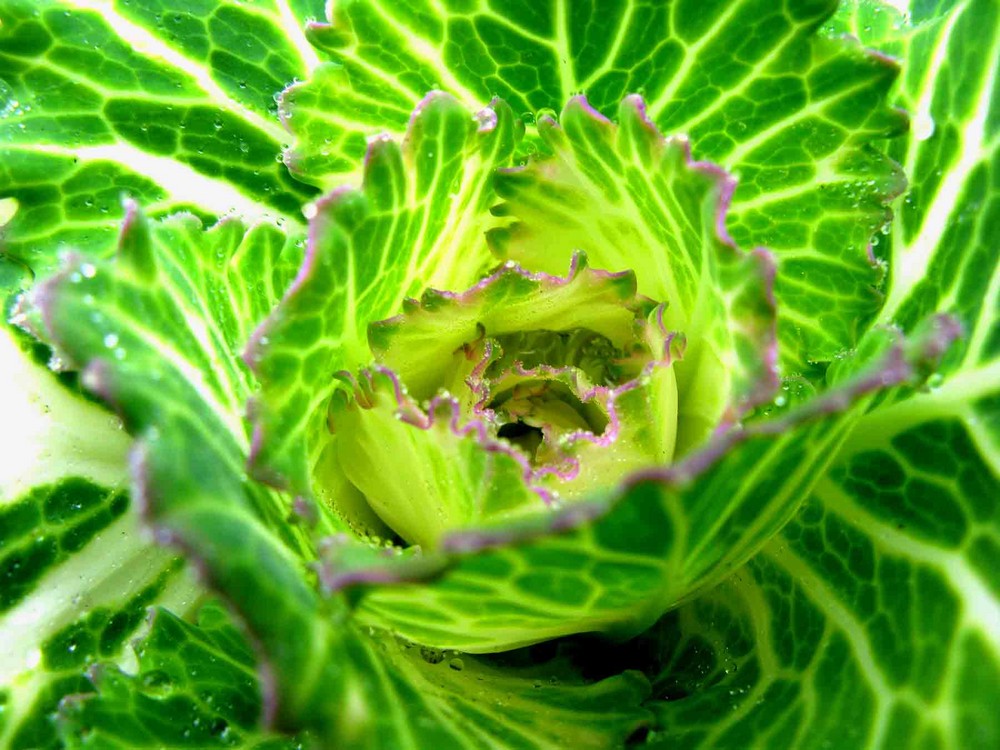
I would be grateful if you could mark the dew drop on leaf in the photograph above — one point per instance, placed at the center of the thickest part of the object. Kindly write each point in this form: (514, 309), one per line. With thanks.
(431, 655)
(923, 126)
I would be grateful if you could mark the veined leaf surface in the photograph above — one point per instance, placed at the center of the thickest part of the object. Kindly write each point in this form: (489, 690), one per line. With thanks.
(830, 554)
(872, 618)
(790, 113)
(172, 105)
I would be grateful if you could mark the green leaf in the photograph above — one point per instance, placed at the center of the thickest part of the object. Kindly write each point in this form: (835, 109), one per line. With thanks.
(464, 477)
(108, 612)
(156, 334)
(196, 686)
(159, 329)
(176, 385)
(417, 343)
(171, 106)
(942, 255)
(634, 201)
(939, 250)
(76, 571)
(164, 355)
(498, 400)
(792, 114)
(476, 702)
(418, 220)
(870, 620)
(616, 564)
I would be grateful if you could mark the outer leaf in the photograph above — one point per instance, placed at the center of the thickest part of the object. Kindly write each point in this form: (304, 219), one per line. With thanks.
(76, 573)
(163, 327)
(746, 80)
(633, 200)
(942, 253)
(417, 221)
(475, 702)
(190, 309)
(170, 105)
(943, 250)
(872, 620)
(156, 335)
(178, 383)
(196, 686)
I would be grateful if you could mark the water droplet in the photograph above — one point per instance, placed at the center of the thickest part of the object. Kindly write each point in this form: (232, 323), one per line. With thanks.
(111, 340)
(431, 655)
(923, 126)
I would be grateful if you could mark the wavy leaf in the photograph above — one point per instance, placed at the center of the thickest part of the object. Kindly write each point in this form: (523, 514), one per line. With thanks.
(171, 372)
(791, 113)
(418, 220)
(616, 564)
(633, 200)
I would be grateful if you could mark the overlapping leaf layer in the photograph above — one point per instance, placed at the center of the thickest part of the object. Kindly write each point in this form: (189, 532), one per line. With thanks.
(757, 91)
(825, 546)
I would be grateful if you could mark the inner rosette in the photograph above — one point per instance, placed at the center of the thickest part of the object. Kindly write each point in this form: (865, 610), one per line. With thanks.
(524, 391)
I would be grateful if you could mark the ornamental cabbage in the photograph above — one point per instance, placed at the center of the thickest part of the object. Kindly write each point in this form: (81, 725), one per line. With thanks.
(507, 375)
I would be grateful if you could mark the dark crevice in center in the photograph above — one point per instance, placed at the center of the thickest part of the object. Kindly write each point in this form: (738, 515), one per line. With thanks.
(524, 436)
